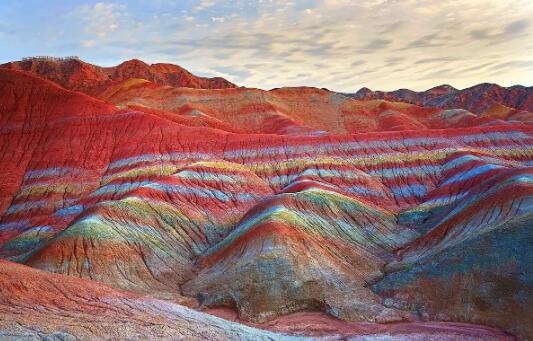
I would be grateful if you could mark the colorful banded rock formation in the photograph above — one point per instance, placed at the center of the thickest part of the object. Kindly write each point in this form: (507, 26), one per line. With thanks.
(477, 99)
(295, 111)
(75, 74)
(264, 202)
(36, 305)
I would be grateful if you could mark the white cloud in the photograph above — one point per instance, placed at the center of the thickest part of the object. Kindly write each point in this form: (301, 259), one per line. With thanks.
(88, 43)
(218, 19)
(203, 4)
(338, 44)
(102, 18)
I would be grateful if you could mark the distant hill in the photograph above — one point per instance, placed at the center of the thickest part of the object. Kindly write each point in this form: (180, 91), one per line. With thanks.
(75, 74)
(476, 99)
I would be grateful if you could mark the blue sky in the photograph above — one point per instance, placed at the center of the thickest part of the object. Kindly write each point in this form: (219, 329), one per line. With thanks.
(339, 44)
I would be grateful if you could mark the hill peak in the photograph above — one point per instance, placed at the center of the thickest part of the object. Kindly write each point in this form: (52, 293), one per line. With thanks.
(476, 99)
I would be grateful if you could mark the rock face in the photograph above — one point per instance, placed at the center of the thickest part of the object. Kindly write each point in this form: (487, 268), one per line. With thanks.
(477, 99)
(472, 265)
(263, 202)
(36, 305)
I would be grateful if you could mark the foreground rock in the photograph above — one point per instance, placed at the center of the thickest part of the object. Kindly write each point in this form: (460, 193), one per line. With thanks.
(36, 305)
(39, 305)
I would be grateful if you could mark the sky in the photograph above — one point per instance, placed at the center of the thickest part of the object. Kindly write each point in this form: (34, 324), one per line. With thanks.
(336, 44)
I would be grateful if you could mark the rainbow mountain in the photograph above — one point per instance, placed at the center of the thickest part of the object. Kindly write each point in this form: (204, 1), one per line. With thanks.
(138, 200)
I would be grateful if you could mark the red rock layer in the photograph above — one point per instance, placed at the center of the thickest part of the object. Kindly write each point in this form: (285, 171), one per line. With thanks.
(74, 74)
(294, 111)
(149, 200)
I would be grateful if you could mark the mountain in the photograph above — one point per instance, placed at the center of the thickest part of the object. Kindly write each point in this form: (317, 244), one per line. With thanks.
(295, 111)
(168, 90)
(75, 74)
(476, 99)
(343, 218)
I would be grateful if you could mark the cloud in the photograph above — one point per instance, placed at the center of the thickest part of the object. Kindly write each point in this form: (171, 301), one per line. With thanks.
(475, 67)
(102, 18)
(391, 28)
(337, 44)
(428, 40)
(88, 43)
(391, 61)
(513, 64)
(435, 60)
(356, 63)
(480, 34)
(517, 26)
(203, 5)
(375, 45)
(492, 35)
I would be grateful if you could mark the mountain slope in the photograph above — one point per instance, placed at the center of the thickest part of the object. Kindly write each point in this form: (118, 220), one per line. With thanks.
(38, 305)
(74, 74)
(294, 111)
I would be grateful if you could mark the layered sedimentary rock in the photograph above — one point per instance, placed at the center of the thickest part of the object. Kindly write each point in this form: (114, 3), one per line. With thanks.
(75, 74)
(369, 227)
(35, 305)
(295, 111)
(477, 99)
(474, 263)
